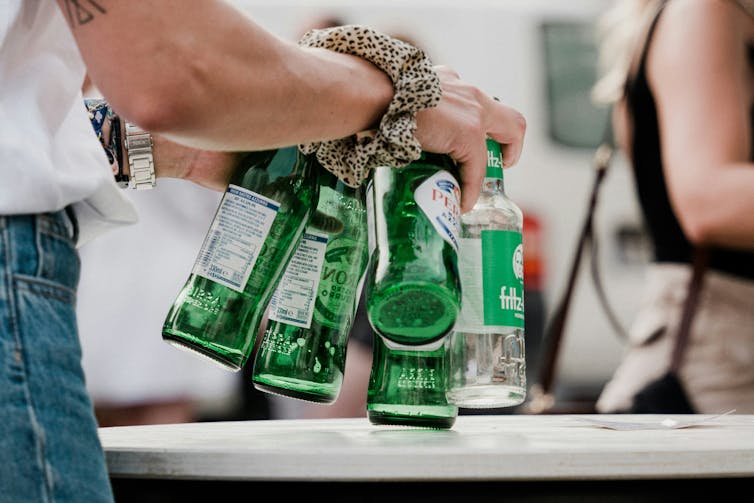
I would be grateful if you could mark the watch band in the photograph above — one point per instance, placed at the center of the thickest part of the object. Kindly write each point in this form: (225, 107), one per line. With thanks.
(140, 160)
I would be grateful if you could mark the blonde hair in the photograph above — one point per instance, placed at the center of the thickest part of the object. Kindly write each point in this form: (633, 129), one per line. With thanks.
(619, 31)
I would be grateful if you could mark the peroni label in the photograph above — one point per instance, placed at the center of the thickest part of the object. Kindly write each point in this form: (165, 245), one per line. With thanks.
(439, 198)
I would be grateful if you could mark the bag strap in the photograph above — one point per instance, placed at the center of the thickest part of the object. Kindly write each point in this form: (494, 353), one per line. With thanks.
(541, 393)
(603, 156)
(701, 259)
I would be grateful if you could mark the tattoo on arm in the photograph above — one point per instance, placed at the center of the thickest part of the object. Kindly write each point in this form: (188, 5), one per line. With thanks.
(81, 12)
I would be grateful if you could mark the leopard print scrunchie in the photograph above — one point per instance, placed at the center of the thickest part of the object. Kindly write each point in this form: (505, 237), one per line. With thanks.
(416, 87)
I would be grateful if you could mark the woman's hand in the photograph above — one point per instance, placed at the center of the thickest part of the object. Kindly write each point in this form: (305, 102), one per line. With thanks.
(459, 126)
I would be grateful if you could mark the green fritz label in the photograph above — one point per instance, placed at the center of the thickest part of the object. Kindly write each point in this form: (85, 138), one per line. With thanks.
(494, 160)
(503, 278)
(493, 296)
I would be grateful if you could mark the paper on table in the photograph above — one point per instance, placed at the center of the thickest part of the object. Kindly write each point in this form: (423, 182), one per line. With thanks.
(650, 423)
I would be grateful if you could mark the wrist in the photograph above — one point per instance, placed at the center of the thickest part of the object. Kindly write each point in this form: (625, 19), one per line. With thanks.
(368, 89)
(378, 91)
(208, 168)
(415, 87)
(128, 148)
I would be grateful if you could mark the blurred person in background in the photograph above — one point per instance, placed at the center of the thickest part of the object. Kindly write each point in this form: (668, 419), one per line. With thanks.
(680, 77)
(204, 93)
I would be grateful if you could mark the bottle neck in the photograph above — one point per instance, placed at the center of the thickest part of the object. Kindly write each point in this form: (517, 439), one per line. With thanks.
(493, 184)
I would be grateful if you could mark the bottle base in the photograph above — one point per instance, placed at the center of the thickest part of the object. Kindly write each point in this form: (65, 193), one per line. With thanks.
(304, 390)
(414, 313)
(232, 365)
(437, 417)
(486, 396)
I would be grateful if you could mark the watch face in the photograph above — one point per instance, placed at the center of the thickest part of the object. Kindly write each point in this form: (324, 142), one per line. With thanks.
(140, 141)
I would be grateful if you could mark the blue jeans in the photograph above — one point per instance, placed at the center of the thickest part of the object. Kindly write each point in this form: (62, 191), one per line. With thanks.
(49, 448)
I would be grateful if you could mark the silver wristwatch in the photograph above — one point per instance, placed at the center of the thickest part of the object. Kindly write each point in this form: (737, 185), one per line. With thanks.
(140, 160)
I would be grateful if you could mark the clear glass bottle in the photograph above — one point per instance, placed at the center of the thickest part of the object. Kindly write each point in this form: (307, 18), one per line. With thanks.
(413, 291)
(256, 228)
(303, 350)
(486, 354)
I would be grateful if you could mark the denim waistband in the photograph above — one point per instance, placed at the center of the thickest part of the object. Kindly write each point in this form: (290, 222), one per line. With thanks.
(41, 246)
(62, 224)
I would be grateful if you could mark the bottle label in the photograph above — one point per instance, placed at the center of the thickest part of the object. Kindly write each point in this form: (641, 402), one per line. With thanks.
(235, 238)
(494, 160)
(341, 276)
(439, 198)
(293, 299)
(492, 281)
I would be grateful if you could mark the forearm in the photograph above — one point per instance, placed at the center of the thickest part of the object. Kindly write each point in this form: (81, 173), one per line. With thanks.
(169, 83)
(202, 74)
(722, 211)
(699, 72)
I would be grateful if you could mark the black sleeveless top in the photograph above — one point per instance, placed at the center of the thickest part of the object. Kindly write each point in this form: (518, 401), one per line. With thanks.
(670, 243)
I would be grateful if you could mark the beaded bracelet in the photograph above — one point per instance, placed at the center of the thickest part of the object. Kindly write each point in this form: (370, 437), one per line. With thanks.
(137, 143)
(101, 115)
(416, 87)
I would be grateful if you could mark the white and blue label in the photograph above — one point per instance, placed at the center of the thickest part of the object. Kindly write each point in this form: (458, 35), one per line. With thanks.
(293, 299)
(439, 197)
(235, 238)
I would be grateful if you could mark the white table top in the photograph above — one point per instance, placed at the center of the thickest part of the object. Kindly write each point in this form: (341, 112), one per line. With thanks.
(506, 447)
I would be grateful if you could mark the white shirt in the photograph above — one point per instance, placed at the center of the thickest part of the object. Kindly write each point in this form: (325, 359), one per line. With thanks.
(49, 155)
(125, 360)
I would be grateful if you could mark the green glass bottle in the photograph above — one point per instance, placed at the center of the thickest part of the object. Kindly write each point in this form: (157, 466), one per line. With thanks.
(413, 292)
(486, 348)
(303, 351)
(256, 228)
(408, 386)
